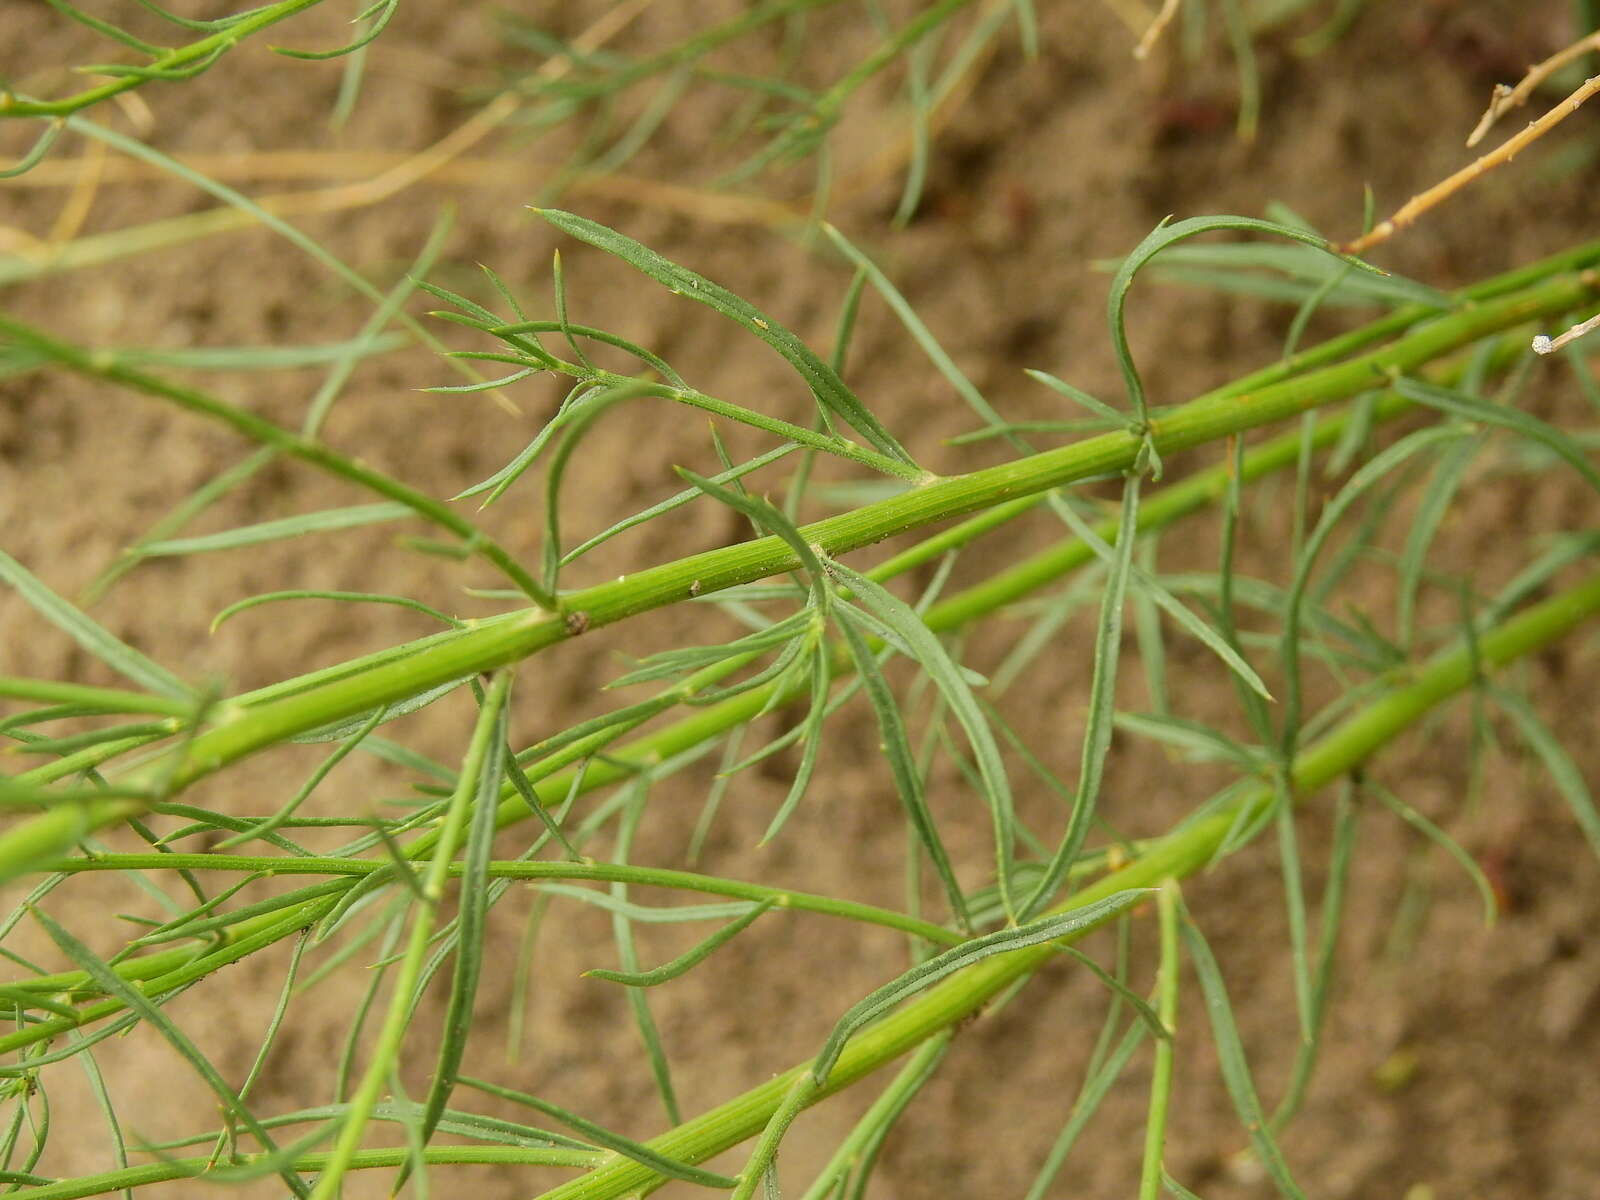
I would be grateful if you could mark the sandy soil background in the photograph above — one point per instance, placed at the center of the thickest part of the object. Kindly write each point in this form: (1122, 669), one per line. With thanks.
(1459, 1059)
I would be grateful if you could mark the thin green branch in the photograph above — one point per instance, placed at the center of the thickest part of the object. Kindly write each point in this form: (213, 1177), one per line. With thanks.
(265, 433)
(360, 868)
(175, 64)
(189, 1168)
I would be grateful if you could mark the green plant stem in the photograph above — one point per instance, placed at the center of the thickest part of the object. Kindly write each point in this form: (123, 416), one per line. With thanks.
(687, 881)
(1211, 417)
(52, 835)
(173, 64)
(1170, 504)
(1181, 853)
(196, 1168)
(96, 698)
(1155, 1129)
(481, 761)
(169, 970)
(885, 1110)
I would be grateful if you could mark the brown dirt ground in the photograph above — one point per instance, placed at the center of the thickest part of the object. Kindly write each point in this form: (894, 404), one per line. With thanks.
(1460, 1059)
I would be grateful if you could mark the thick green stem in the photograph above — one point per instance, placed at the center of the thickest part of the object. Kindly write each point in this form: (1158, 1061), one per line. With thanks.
(1211, 417)
(1179, 854)
(1168, 505)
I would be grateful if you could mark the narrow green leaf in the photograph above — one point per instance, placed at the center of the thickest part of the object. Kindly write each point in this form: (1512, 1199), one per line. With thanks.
(633, 799)
(272, 531)
(1167, 234)
(256, 358)
(287, 810)
(896, 747)
(662, 914)
(37, 151)
(1444, 841)
(515, 335)
(551, 821)
(768, 516)
(1169, 604)
(1288, 273)
(379, 14)
(1475, 408)
(920, 333)
(571, 406)
(810, 742)
(481, 1129)
(676, 501)
(1564, 773)
(690, 958)
(1294, 897)
(760, 1169)
(558, 285)
(572, 435)
(90, 634)
(925, 649)
(62, 747)
(1078, 396)
(148, 1011)
(1102, 707)
(880, 1117)
(824, 382)
(921, 106)
(1090, 1096)
(1177, 1189)
(1330, 921)
(472, 911)
(488, 741)
(249, 602)
(1371, 473)
(1152, 1020)
(670, 1168)
(1231, 1059)
(340, 730)
(940, 966)
(1197, 742)
(670, 663)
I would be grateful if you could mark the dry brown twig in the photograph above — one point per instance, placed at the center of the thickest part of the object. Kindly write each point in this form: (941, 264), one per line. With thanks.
(1501, 101)
(1413, 208)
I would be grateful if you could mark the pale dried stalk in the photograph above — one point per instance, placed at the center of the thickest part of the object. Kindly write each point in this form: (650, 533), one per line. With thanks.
(1500, 102)
(1549, 345)
(322, 166)
(1169, 9)
(1439, 192)
(1503, 99)
(85, 186)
